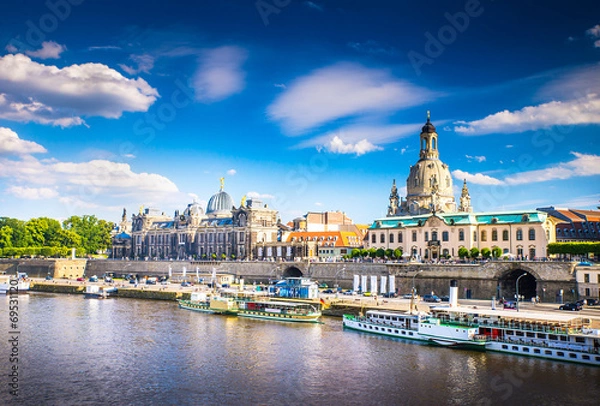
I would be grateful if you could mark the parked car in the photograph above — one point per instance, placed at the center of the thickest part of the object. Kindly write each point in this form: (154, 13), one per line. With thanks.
(584, 263)
(409, 296)
(390, 294)
(445, 298)
(510, 305)
(80, 279)
(349, 292)
(93, 278)
(327, 291)
(49, 277)
(570, 307)
(185, 284)
(108, 279)
(431, 298)
(592, 302)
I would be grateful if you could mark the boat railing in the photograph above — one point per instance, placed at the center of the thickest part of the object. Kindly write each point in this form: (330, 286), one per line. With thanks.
(545, 344)
(522, 326)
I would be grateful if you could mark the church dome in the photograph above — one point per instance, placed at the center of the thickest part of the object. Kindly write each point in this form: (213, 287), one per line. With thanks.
(220, 204)
(194, 209)
(428, 127)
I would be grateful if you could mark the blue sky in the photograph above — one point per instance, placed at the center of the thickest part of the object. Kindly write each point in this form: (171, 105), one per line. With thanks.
(307, 105)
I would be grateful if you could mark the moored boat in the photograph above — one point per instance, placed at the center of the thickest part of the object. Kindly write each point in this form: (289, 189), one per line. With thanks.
(15, 285)
(280, 311)
(98, 292)
(209, 303)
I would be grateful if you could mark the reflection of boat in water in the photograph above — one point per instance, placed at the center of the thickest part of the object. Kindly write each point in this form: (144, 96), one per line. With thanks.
(98, 292)
(17, 285)
(281, 311)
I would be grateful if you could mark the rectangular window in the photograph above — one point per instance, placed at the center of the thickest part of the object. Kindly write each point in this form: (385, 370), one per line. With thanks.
(426, 235)
(586, 277)
(414, 236)
(373, 238)
(400, 240)
(474, 235)
(382, 238)
(391, 238)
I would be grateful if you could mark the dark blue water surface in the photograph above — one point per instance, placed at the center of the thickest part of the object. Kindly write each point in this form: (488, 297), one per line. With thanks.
(74, 351)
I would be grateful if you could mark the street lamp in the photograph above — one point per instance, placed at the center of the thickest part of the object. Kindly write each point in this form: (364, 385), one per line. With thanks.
(343, 271)
(412, 296)
(518, 289)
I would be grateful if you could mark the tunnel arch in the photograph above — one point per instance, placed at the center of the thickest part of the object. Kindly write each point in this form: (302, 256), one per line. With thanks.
(507, 284)
(292, 272)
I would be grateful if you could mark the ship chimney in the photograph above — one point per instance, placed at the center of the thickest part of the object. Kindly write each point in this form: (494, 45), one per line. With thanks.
(453, 293)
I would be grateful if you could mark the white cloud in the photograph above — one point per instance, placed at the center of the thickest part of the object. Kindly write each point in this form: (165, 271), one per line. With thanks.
(256, 195)
(477, 179)
(313, 5)
(594, 31)
(47, 94)
(49, 50)
(129, 156)
(220, 74)
(231, 172)
(10, 143)
(29, 193)
(342, 90)
(280, 85)
(582, 165)
(11, 48)
(337, 146)
(581, 111)
(144, 64)
(478, 158)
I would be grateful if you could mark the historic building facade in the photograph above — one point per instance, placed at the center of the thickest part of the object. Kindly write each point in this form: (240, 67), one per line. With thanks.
(428, 224)
(223, 231)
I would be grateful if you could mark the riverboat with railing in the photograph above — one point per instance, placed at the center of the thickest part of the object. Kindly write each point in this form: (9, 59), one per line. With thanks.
(419, 326)
(280, 311)
(545, 335)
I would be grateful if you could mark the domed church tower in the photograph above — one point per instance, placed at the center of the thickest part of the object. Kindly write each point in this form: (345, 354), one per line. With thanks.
(429, 183)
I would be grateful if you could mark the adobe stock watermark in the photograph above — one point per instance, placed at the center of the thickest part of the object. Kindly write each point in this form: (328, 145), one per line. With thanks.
(37, 31)
(446, 35)
(267, 7)
(13, 336)
(504, 386)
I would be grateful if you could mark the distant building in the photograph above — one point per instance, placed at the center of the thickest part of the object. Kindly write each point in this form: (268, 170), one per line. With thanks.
(222, 232)
(575, 225)
(428, 224)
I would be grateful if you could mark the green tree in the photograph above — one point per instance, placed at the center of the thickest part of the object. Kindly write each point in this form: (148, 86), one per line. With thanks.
(20, 236)
(463, 252)
(398, 253)
(6, 233)
(94, 233)
(474, 253)
(496, 252)
(486, 252)
(380, 253)
(372, 252)
(389, 253)
(355, 253)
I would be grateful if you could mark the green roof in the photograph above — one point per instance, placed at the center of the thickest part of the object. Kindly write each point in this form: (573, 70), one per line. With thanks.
(508, 217)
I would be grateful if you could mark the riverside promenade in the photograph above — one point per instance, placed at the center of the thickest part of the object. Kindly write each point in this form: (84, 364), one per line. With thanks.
(336, 305)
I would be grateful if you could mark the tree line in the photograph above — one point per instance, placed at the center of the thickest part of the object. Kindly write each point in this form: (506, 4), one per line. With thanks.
(47, 237)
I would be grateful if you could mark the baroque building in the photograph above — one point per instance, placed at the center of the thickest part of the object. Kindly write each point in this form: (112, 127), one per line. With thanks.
(428, 224)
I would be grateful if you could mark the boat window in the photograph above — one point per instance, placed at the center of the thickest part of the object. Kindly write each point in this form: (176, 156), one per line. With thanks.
(404, 332)
(552, 337)
(396, 331)
(548, 352)
(410, 334)
(530, 334)
(598, 359)
(560, 353)
(541, 335)
(510, 332)
(563, 338)
(572, 355)
(580, 339)
(519, 333)
(585, 357)
(505, 347)
(536, 351)
(525, 349)
(515, 348)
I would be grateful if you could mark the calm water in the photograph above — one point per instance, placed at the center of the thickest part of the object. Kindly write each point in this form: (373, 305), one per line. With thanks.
(74, 351)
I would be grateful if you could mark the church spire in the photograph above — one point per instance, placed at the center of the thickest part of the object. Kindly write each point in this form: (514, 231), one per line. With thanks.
(393, 207)
(465, 199)
(429, 140)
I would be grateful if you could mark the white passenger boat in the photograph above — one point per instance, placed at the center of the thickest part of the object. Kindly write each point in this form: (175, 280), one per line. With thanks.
(420, 327)
(19, 285)
(280, 311)
(98, 292)
(545, 335)
(209, 303)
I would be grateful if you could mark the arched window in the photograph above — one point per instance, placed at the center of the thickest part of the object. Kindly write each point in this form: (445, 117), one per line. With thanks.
(531, 234)
(484, 236)
(373, 239)
(426, 235)
(531, 253)
(382, 238)
(504, 235)
(400, 237)
(433, 143)
(519, 234)
(434, 235)
(494, 235)
(391, 238)
(474, 235)
(461, 235)
(444, 235)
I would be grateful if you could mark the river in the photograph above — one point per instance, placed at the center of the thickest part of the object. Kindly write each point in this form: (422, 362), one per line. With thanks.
(73, 351)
